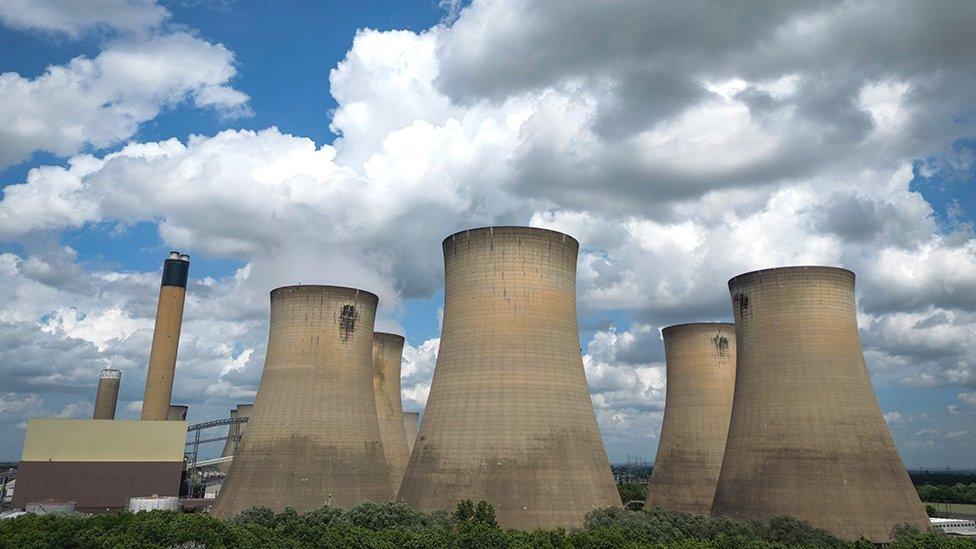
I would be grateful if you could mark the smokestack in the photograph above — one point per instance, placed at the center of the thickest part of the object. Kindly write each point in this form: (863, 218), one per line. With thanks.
(509, 418)
(177, 413)
(807, 438)
(701, 380)
(411, 422)
(387, 355)
(234, 432)
(107, 395)
(166, 338)
(313, 438)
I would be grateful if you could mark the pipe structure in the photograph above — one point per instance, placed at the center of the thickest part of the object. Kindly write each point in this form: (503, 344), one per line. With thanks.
(509, 418)
(234, 432)
(107, 395)
(166, 338)
(313, 438)
(701, 380)
(387, 356)
(177, 412)
(411, 423)
(807, 438)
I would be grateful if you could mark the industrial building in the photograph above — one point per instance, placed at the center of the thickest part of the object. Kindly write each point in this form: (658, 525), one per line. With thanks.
(166, 338)
(806, 437)
(411, 424)
(387, 355)
(99, 464)
(700, 382)
(107, 395)
(313, 437)
(509, 418)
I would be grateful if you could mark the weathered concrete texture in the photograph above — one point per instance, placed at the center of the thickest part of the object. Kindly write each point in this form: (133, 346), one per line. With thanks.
(177, 412)
(107, 395)
(234, 431)
(313, 437)
(411, 423)
(807, 438)
(701, 380)
(387, 355)
(509, 418)
(166, 339)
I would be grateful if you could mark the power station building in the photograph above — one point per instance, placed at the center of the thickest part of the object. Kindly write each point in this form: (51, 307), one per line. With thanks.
(387, 355)
(509, 417)
(166, 338)
(107, 395)
(806, 437)
(313, 437)
(701, 380)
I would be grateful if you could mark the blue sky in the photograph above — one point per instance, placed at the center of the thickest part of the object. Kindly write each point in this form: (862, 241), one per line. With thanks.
(340, 142)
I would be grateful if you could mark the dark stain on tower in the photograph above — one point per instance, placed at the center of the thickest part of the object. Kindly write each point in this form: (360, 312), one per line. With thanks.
(722, 344)
(347, 321)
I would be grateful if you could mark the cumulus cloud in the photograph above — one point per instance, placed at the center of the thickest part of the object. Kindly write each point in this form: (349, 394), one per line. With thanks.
(700, 142)
(101, 101)
(73, 18)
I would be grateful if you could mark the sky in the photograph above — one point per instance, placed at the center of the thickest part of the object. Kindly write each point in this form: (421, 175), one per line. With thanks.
(340, 142)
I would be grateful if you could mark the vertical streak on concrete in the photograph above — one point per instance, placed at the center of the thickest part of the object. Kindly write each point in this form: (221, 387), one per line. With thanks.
(701, 380)
(509, 418)
(387, 355)
(166, 338)
(411, 423)
(107, 396)
(313, 437)
(807, 438)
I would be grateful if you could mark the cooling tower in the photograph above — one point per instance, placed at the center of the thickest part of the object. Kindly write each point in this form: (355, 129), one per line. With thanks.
(313, 438)
(387, 354)
(701, 379)
(234, 432)
(411, 422)
(107, 395)
(166, 338)
(509, 418)
(177, 412)
(807, 438)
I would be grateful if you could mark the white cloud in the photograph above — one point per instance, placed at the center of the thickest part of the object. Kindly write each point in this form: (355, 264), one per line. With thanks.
(101, 101)
(72, 18)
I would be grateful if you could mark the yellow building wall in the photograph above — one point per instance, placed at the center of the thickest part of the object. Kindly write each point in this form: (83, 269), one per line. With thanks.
(104, 440)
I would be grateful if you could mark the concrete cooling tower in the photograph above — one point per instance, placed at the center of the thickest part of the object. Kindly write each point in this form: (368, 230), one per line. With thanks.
(107, 395)
(701, 379)
(313, 437)
(411, 422)
(509, 418)
(166, 338)
(387, 355)
(234, 432)
(807, 438)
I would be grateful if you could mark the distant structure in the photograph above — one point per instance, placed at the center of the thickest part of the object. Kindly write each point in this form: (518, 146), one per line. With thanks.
(313, 437)
(701, 380)
(177, 412)
(234, 432)
(411, 423)
(387, 355)
(509, 418)
(166, 338)
(807, 438)
(107, 396)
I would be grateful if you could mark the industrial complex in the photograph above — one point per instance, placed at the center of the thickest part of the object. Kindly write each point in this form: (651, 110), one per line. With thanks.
(772, 415)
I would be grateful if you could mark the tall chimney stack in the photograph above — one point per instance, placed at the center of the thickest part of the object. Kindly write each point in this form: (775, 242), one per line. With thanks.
(108, 394)
(166, 338)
